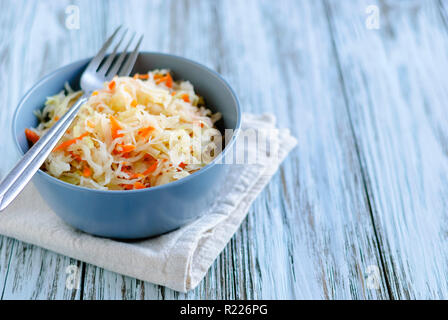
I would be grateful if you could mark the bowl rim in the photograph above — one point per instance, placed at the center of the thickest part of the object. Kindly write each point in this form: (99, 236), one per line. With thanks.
(161, 187)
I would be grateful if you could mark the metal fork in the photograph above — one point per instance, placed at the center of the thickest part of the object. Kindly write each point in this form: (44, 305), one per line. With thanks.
(98, 71)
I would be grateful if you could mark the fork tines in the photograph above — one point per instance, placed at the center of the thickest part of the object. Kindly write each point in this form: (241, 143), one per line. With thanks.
(112, 65)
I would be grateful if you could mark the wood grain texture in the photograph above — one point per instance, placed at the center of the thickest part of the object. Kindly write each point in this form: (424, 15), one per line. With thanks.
(322, 245)
(28, 50)
(6, 247)
(397, 101)
(36, 273)
(363, 192)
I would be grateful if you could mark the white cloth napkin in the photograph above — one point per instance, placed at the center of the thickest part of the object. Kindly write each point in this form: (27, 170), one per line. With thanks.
(178, 260)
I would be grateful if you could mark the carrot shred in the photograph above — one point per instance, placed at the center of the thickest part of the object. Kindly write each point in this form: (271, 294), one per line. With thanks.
(114, 127)
(112, 85)
(32, 136)
(173, 93)
(164, 78)
(94, 93)
(148, 157)
(144, 132)
(124, 148)
(75, 156)
(182, 165)
(128, 147)
(186, 97)
(68, 143)
(127, 170)
(169, 80)
(133, 103)
(139, 185)
(151, 169)
(56, 118)
(137, 175)
(86, 172)
(141, 76)
(90, 124)
(127, 186)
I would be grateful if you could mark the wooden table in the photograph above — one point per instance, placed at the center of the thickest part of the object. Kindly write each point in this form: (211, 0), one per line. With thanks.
(357, 211)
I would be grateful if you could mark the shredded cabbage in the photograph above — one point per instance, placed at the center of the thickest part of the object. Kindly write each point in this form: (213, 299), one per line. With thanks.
(136, 132)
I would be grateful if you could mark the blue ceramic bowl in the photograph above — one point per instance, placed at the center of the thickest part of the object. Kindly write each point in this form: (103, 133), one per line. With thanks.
(137, 213)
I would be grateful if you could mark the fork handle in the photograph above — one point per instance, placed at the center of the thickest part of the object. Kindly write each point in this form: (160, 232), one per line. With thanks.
(25, 169)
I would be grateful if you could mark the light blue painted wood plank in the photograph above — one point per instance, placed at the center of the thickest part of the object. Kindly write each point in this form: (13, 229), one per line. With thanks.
(179, 23)
(6, 246)
(32, 43)
(36, 273)
(312, 228)
(395, 83)
(7, 102)
(309, 235)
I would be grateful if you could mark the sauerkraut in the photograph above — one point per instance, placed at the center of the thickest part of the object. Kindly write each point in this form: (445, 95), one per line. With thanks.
(137, 132)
